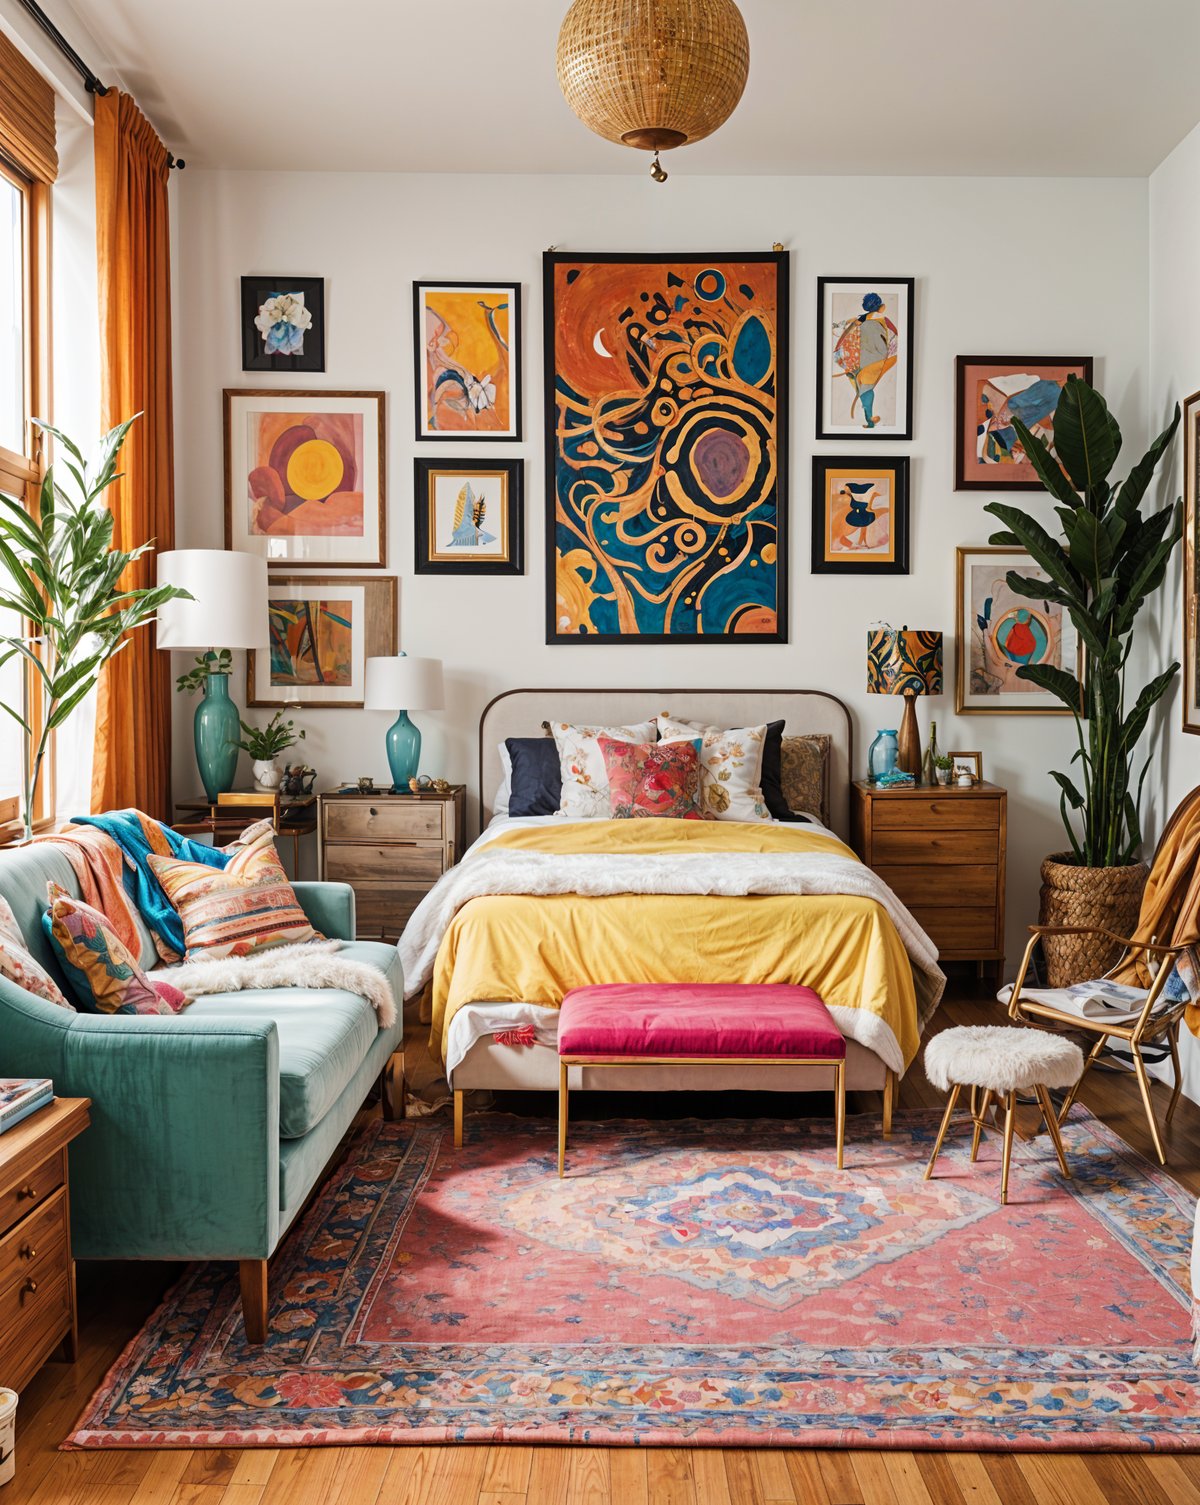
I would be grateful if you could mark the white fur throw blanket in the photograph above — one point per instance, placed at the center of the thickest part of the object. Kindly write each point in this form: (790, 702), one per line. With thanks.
(314, 965)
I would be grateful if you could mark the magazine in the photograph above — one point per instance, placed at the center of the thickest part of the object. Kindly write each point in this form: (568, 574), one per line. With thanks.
(21, 1096)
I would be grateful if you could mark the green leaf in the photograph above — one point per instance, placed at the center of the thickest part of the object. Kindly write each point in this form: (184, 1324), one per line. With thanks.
(1089, 547)
(1058, 682)
(1135, 723)
(1134, 488)
(1069, 790)
(1047, 552)
(1049, 471)
(59, 438)
(1004, 541)
(1086, 437)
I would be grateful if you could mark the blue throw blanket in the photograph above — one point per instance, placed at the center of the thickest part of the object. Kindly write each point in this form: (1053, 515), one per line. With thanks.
(138, 836)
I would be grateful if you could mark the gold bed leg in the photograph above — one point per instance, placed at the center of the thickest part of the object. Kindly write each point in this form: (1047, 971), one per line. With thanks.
(839, 1078)
(458, 1120)
(890, 1083)
(562, 1117)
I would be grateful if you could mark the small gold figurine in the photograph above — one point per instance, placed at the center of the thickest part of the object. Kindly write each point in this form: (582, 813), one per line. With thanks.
(414, 785)
(442, 786)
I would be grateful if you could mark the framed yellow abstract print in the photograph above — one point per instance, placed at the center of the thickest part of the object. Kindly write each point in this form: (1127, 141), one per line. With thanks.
(467, 343)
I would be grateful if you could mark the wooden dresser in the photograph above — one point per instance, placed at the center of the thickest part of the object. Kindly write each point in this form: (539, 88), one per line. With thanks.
(391, 849)
(941, 851)
(37, 1272)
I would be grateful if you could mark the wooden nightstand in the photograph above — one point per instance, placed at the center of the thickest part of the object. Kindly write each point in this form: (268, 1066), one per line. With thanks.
(391, 849)
(37, 1273)
(941, 851)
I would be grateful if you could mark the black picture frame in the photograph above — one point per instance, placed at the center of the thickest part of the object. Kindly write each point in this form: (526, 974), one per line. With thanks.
(781, 371)
(427, 560)
(516, 360)
(855, 435)
(969, 475)
(898, 465)
(255, 292)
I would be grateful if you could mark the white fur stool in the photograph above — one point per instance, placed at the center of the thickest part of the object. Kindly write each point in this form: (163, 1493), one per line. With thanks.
(1001, 1061)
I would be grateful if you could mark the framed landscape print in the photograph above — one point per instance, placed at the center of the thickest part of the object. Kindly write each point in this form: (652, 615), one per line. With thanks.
(470, 517)
(998, 631)
(1191, 561)
(323, 629)
(865, 357)
(860, 515)
(283, 324)
(666, 447)
(467, 343)
(304, 477)
(990, 391)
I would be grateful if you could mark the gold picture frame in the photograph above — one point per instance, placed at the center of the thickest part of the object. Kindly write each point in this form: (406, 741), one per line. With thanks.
(975, 759)
(1191, 562)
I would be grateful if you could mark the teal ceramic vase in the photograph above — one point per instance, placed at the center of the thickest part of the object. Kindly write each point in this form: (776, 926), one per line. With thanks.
(217, 729)
(403, 751)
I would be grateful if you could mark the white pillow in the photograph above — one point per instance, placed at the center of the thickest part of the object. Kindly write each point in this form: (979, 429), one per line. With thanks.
(504, 793)
(581, 763)
(730, 767)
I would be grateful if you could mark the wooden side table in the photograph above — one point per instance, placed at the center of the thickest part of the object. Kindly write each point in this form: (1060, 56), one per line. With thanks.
(229, 814)
(942, 852)
(37, 1272)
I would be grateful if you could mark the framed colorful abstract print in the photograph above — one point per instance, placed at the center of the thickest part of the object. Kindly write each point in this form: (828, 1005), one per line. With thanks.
(323, 628)
(283, 324)
(467, 343)
(992, 390)
(860, 515)
(998, 631)
(470, 517)
(1191, 561)
(304, 477)
(865, 357)
(666, 447)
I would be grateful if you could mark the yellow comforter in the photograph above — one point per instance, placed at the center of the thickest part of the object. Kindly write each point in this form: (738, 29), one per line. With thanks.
(514, 947)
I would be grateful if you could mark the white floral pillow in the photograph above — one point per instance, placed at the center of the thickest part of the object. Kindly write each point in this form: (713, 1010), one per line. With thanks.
(730, 767)
(584, 778)
(20, 966)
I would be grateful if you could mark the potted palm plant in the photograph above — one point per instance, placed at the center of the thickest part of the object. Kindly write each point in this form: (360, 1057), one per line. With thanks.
(1111, 556)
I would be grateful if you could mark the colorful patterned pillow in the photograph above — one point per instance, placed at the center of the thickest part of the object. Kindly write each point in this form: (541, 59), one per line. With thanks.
(19, 965)
(581, 764)
(234, 910)
(730, 767)
(104, 976)
(653, 778)
(802, 773)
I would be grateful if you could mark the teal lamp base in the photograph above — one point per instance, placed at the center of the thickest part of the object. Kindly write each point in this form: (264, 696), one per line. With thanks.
(217, 729)
(403, 752)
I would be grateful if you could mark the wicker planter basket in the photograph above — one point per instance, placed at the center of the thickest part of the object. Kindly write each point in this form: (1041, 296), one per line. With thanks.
(1074, 895)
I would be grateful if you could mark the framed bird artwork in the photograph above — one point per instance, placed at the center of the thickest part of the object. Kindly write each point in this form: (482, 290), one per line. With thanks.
(470, 517)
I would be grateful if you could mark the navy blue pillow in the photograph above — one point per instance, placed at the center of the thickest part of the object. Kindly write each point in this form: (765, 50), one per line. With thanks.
(772, 775)
(536, 784)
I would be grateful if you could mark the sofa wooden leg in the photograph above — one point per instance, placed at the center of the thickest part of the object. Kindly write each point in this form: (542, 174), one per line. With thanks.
(253, 1275)
(891, 1082)
(393, 1093)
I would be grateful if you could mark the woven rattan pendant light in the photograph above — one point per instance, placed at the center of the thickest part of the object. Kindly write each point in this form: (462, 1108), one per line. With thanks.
(653, 74)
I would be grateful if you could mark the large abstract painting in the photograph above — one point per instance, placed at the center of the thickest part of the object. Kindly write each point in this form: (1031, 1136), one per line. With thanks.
(467, 339)
(666, 448)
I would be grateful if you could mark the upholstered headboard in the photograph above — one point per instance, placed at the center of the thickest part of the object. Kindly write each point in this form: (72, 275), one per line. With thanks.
(520, 713)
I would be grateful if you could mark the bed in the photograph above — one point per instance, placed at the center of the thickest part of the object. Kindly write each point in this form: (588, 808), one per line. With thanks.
(541, 904)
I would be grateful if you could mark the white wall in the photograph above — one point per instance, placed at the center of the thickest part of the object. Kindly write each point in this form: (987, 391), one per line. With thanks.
(1003, 266)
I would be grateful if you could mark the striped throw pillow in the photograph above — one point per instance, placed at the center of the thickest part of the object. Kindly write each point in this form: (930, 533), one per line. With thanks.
(235, 910)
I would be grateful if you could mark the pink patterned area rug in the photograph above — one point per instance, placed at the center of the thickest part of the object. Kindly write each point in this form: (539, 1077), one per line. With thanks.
(692, 1283)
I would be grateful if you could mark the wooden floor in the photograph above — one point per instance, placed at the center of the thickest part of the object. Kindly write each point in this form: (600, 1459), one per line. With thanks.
(115, 1299)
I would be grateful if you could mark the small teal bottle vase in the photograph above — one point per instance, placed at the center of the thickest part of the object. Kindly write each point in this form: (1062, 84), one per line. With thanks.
(217, 729)
(882, 757)
(403, 751)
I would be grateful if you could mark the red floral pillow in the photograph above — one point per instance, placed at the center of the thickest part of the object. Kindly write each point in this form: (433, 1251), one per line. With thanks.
(653, 778)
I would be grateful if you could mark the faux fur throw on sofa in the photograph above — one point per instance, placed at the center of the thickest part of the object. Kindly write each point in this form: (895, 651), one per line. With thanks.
(309, 966)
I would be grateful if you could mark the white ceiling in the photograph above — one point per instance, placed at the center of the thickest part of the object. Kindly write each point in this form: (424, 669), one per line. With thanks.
(1041, 87)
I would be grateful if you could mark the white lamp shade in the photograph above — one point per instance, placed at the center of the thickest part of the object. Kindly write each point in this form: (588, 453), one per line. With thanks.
(230, 605)
(404, 684)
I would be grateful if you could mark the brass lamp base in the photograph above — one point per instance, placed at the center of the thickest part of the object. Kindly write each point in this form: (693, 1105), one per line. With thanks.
(908, 759)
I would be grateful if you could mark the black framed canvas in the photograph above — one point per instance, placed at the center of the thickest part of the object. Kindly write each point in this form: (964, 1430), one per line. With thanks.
(989, 392)
(468, 356)
(860, 515)
(470, 517)
(865, 357)
(666, 394)
(283, 324)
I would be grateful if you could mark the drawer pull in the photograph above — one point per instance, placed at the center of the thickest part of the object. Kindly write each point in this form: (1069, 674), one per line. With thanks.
(372, 810)
(28, 1191)
(29, 1288)
(28, 1252)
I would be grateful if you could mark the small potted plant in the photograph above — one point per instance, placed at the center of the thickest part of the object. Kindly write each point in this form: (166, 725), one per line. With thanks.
(943, 767)
(264, 744)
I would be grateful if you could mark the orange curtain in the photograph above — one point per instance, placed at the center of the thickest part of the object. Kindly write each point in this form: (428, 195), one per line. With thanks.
(133, 717)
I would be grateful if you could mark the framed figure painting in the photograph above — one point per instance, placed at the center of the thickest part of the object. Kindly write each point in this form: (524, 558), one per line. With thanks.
(990, 391)
(865, 357)
(304, 476)
(470, 517)
(467, 344)
(860, 515)
(666, 447)
(998, 631)
(283, 324)
(1191, 561)
(322, 631)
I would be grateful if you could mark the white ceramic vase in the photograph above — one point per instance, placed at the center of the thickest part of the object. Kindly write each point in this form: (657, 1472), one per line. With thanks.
(8, 1423)
(266, 775)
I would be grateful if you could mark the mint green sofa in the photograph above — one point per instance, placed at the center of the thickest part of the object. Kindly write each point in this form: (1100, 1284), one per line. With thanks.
(209, 1130)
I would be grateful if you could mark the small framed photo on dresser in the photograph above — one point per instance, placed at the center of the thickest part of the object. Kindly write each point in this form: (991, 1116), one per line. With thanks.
(470, 517)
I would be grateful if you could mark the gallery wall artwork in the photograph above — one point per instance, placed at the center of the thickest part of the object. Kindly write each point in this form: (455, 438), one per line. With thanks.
(860, 515)
(865, 357)
(322, 629)
(283, 323)
(666, 447)
(990, 391)
(467, 344)
(1191, 561)
(304, 476)
(470, 517)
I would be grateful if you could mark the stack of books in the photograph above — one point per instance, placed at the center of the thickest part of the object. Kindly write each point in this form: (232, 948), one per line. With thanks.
(21, 1096)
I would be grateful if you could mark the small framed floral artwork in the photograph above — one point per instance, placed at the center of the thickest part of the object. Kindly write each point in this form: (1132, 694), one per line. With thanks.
(467, 344)
(470, 517)
(860, 515)
(323, 629)
(304, 477)
(283, 324)
(992, 391)
(865, 357)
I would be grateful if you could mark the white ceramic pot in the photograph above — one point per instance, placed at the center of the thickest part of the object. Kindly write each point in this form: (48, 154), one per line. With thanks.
(942, 775)
(266, 775)
(8, 1432)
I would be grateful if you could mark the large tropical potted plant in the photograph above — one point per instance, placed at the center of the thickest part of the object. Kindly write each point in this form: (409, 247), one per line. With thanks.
(1110, 558)
(60, 573)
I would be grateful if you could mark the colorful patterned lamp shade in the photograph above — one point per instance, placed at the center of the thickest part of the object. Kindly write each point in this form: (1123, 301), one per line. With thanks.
(909, 663)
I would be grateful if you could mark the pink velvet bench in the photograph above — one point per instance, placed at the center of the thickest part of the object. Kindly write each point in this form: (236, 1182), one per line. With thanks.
(698, 1024)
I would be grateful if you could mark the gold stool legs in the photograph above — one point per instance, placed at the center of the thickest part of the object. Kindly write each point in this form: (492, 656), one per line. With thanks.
(979, 1115)
(1051, 1118)
(1010, 1119)
(979, 1112)
(562, 1117)
(954, 1093)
